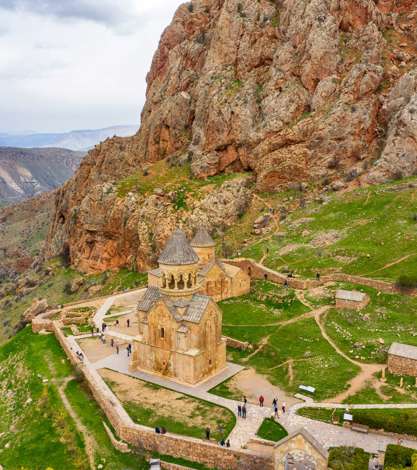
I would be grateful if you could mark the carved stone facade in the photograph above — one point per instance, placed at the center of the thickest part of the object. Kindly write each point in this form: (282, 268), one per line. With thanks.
(300, 451)
(217, 279)
(179, 328)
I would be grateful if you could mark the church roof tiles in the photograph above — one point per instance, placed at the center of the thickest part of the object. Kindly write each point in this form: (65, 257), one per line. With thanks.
(202, 239)
(177, 251)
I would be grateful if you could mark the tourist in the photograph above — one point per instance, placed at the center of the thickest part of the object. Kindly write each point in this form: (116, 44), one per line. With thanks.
(318, 276)
(244, 411)
(284, 406)
(274, 403)
(239, 410)
(276, 412)
(208, 433)
(222, 442)
(163, 430)
(112, 342)
(245, 399)
(261, 400)
(92, 331)
(286, 283)
(128, 323)
(117, 349)
(117, 322)
(157, 430)
(228, 443)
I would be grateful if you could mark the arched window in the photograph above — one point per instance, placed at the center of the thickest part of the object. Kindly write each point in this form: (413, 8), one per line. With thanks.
(162, 332)
(171, 284)
(181, 283)
(189, 282)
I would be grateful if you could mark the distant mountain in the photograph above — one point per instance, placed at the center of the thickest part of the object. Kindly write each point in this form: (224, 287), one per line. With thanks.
(73, 140)
(25, 173)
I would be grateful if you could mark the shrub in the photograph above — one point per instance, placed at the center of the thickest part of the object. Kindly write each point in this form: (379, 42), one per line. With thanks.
(348, 458)
(398, 456)
(407, 282)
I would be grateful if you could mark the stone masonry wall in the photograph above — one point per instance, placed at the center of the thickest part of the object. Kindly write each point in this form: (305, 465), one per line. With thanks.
(258, 271)
(145, 438)
(402, 366)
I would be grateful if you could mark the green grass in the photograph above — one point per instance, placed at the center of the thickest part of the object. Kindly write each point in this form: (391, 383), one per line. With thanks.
(348, 458)
(220, 420)
(161, 175)
(391, 420)
(225, 390)
(398, 456)
(55, 289)
(35, 424)
(390, 317)
(93, 417)
(271, 430)
(376, 226)
(256, 317)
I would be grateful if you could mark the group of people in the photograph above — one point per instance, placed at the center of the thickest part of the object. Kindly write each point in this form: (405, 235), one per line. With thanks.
(242, 409)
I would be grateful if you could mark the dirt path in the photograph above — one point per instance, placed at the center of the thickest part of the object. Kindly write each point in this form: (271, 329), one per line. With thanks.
(262, 344)
(90, 443)
(367, 370)
(61, 385)
(393, 263)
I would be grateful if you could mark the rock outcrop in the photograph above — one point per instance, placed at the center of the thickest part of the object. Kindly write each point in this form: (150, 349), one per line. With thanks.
(294, 91)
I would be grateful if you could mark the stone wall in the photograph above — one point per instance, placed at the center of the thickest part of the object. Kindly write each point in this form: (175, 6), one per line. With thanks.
(382, 286)
(352, 305)
(195, 450)
(258, 271)
(236, 344)
(145, 438)
(402, 366)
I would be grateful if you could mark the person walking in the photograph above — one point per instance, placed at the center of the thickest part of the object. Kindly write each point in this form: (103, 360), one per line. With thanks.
(207, 433)
(261, 400)
(318, 276)
(128, 323)
(239, 410)
(274, 403)
(276, 412)
(284, 406)
(244, 411)
(245, 399)
(117, 349)
(228, 443)
(112, 342)
(117, 322)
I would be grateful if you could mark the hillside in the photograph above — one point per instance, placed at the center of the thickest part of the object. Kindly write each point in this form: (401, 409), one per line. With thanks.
(320, 94)
(81, 140)
(37, 430)
(25, 173)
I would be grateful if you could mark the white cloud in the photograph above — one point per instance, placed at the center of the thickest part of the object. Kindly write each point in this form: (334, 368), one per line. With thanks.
(73, 66)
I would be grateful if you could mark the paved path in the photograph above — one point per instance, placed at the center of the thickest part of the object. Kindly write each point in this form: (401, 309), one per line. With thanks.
(332, 436)
(244, 430)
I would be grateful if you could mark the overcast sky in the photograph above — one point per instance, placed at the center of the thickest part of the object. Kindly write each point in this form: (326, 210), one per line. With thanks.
(76, 64)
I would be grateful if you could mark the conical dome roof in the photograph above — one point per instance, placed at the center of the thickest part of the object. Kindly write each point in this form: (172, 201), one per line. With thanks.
(202, 239)
(178, 251)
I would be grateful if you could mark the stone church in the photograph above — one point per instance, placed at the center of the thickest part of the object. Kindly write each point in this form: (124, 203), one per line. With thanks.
(216, 278)
(180, 327)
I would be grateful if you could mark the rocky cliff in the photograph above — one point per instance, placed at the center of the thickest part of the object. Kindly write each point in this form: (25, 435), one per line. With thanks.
(322, 92)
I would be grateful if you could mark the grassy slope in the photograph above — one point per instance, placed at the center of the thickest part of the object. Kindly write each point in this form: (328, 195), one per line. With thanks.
(390, 317)
(376, 225)
(54, 289)
(37, 429)
(300, 341)
(271, 430)
(348, 458)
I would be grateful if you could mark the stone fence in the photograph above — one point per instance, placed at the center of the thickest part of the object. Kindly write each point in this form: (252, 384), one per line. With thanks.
(142, 437)
(258, 271)
(237, 344)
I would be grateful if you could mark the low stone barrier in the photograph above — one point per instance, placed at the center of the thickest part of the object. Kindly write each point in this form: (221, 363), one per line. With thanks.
(382, 286)
(236, 344)
(258, 271)
(145, 438)
(173, 466)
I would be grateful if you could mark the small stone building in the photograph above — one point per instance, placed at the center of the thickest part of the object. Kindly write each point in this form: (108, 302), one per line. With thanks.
(402, 359)
(351, 299)
(180, 329)
(300, 451)
(216, 278)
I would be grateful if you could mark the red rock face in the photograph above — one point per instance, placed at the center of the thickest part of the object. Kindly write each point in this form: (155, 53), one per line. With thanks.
(292, 90)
